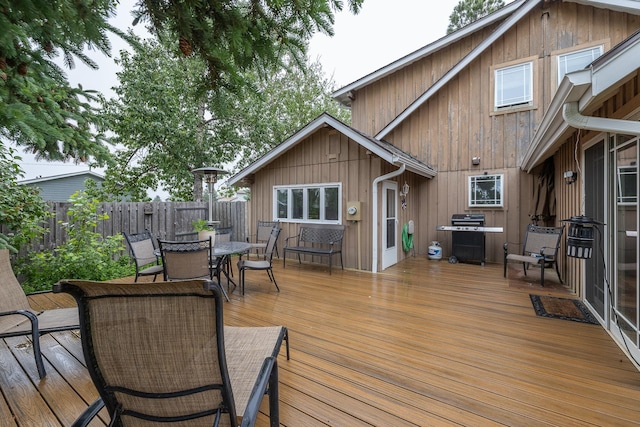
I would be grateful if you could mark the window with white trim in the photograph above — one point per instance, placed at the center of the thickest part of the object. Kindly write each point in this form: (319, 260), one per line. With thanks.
(627, 185)
(578, 60)
(317, 203)
(486, 190)
(514, 85)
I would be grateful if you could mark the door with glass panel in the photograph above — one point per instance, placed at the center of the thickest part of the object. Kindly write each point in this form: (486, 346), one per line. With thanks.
(624, 180)
(594, 182)
(389, 223)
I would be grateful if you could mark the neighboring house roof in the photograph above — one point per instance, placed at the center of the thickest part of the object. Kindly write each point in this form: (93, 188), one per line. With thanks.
(580, 90)
(511, 14)
(382, 149)
(58, 188)
(89, 174)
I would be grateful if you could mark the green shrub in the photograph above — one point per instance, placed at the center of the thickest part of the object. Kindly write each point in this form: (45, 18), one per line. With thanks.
(85, 254)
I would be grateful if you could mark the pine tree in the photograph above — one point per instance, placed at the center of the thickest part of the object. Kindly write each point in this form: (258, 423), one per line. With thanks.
(468, 11)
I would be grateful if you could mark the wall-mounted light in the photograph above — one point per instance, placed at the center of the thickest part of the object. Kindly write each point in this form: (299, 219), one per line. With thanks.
(405, 190)
(570, 177)
(475, 161)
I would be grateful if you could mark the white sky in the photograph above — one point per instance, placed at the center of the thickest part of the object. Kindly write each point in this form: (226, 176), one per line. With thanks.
(381, 33)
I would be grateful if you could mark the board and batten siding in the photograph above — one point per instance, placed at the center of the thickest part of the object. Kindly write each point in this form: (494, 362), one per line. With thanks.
(325, 156)
(458, 122)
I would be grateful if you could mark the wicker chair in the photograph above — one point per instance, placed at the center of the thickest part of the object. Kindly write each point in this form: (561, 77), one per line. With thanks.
(264, 264)
(144, 252)
(159, 352)
(540, 248)
(17, 318)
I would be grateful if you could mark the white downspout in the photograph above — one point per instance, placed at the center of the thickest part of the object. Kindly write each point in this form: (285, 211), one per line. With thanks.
(571, 115)
(374, 201)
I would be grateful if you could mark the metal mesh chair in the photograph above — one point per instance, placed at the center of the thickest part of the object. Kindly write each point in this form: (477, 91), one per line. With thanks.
(264, 264)
(540, 248)
(186, 259)
(143, 251)
(263, 231)
(160, 353)
(17, 318)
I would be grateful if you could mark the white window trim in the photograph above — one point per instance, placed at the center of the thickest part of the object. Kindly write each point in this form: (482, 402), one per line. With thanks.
(470, 192)
(528, 97)
(561, 56)
(623, 199)
(304, 220)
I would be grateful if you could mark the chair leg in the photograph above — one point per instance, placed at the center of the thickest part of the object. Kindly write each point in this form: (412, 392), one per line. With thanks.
(274, 404)
(542, 274)
(273, 279)
(558, 272)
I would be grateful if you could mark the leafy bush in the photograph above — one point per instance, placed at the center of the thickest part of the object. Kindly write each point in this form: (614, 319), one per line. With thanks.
(85, 254)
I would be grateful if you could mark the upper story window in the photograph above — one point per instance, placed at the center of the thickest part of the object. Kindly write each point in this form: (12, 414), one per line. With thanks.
(317, 203)
(514, 85)
(486, 191)
(578, 60)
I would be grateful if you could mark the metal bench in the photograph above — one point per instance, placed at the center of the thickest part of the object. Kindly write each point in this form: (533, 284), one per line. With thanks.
(315, 239)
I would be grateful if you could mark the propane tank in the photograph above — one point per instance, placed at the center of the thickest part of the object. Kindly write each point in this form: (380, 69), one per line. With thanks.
(435, 250)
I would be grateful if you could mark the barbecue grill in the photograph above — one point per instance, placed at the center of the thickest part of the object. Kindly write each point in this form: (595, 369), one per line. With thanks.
(467, 244)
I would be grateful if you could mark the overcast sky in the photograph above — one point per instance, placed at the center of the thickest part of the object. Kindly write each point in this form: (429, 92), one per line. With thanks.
(381, 33)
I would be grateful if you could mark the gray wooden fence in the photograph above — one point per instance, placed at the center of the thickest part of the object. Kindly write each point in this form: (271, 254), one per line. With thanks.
(165, 220)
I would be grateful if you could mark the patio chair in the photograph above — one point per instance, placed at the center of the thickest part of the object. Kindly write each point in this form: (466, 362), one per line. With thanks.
(144, 252)
(189, 259)
(159, 354)
(18, 318)
(223, 234)
(263, 231)
(540, 248)
(264, 264)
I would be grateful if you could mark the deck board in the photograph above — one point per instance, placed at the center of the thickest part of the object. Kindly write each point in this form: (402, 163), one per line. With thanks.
(424, 343)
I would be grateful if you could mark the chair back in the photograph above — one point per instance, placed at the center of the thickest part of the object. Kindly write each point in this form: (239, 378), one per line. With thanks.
(186, 259)
(263, 230)
(142, 247)
(12, 296)
(223, 234)
(545, 240)
(156, 350)
(271, 243)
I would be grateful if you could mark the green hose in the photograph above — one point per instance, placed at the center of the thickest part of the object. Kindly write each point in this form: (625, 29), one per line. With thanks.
(407, 239)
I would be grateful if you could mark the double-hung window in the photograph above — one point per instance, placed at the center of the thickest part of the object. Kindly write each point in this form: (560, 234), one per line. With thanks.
(486, 191)
(316, 203)
(574, 61)
(514, 85)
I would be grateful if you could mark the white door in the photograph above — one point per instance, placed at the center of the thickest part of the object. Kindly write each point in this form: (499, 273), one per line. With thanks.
(389, 223)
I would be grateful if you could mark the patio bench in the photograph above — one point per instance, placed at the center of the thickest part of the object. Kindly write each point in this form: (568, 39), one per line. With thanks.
(324, 240)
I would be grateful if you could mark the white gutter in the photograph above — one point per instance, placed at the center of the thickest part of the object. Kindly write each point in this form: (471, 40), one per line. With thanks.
(374, 221)
(571, 115)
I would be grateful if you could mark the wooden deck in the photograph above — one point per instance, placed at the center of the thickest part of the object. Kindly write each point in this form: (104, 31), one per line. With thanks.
(425, 343)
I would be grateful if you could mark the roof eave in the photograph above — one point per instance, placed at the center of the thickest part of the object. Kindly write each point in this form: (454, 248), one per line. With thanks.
(345, 94)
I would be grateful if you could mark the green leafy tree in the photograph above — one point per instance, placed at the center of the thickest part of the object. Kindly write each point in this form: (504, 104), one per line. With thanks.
(21, 207)
(166, 126)
(468, 11)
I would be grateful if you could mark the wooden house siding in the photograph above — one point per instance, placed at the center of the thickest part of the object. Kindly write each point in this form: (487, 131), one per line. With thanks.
(459, 121)
(312, 161)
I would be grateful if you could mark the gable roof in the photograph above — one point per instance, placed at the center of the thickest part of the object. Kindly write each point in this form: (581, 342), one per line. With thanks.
(344, 94)
(577, 92)
(88, 173)
(382, 149)
(510, 15)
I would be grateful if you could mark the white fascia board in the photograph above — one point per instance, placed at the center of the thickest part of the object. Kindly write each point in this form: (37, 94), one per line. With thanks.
(342, 95)
(627, 6)
(616, 69)
(326, 120)
(453, 72)
(552, 127)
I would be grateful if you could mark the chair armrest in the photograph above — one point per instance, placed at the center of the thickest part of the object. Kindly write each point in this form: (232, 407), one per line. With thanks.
(87, 416)
(255, 399)
(286, 240)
